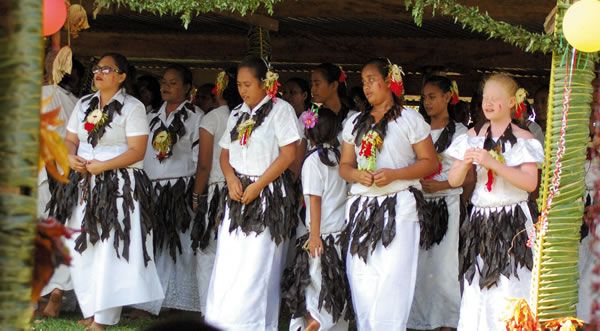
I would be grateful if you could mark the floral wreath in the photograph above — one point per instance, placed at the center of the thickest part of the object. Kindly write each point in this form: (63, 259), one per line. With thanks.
(310, 117)
(394, 78)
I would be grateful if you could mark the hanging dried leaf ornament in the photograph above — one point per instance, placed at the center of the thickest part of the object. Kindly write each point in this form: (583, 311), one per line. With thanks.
(220, 84)
(370, 145)
(162, 145)
(394, 78)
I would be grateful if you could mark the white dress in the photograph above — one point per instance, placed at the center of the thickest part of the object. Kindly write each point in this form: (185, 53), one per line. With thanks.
(177, 275)
(382, 279)
(102, 277)
(321, 180)
(244, 290)
(215, 123)
(437, 292)
(484, 301)
(587, 260)
(61, 279)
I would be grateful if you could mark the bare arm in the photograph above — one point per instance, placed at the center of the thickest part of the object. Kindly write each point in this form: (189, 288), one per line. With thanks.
(315, 245)
(296, 166)
(135, 152)
(459, 171)
(205, 156)
(233, 182)
(76, 163)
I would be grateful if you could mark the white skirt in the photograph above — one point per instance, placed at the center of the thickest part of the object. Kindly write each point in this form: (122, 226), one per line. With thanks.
(101, 279)
(244, 291)
(437, 292)
(485, 309)
(312, 299)
(382, 289)
(586, 278)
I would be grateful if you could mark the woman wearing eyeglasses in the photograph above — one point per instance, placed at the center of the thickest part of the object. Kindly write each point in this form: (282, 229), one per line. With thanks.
(109, 195)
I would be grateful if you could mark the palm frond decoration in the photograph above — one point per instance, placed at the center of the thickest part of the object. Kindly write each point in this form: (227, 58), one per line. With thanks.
(259, 43)
(20, 100)
(555, 274)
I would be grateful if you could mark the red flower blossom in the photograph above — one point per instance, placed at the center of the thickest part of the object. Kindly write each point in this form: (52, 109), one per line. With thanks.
(89, 127)
(397, 88)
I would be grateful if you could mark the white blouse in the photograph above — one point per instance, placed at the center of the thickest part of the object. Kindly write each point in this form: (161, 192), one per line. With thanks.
(130, 123)
(446, 161)
(185, 152)
(59, 98)
(280, 128)
(503, 193)
(215, 122)
(396, 151)
(325, 182)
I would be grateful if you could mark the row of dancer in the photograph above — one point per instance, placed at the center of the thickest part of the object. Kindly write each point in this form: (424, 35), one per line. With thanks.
(378, 247)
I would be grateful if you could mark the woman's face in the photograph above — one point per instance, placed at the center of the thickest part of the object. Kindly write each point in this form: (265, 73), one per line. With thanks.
(320, 89)
(250, 87)
(172, 88)
(293, 94)
(435, 100)
(107, 75)
(497, 103)
(374, 85)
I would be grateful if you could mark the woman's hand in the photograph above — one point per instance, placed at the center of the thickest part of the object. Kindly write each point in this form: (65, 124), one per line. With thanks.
(383, 176)
(315, 246)
(432, 186)
(77, 163)
(235, 188)
(364, 178)
(95, 167)
(481, 157)
(250, 193)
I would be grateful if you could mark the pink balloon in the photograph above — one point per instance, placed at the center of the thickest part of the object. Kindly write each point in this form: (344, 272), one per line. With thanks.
(54, 16)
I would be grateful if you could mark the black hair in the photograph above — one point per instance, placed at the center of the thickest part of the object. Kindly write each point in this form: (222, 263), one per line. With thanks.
(184, 72)
(73, 82)
(255, 63)
(325, 132)
(153, 86)
(231, 93)
(357, 92)
(125, 68)
(364, 121)
(332, 74)
(304, 86)
(445, 85)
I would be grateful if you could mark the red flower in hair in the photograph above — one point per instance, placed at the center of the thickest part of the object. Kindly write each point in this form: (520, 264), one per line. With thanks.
(455, 100)
(214, 91)
(343, 77)
(520, 110)
(397, 88)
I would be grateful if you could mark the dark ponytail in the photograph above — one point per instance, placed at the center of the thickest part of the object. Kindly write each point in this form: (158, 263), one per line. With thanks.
(324, 136)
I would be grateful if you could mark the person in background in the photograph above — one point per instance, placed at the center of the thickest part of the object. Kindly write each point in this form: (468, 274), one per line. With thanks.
(205, 98)
(540, 106)
(148, 89)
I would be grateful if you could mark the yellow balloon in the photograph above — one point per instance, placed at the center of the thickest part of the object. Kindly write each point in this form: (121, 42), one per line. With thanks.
(581, 25)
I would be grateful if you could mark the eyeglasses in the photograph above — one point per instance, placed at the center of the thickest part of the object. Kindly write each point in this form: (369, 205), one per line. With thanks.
(105, 70)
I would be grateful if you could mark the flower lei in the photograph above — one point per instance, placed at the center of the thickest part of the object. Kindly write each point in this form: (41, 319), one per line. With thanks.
(394, 78)
(162, 144)
(520, 96)
(370, 145)
(244, 130)
(496, 153)
(165, 138)
(220, 84)
(271, 84)
(95, 120)
(310, 117)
